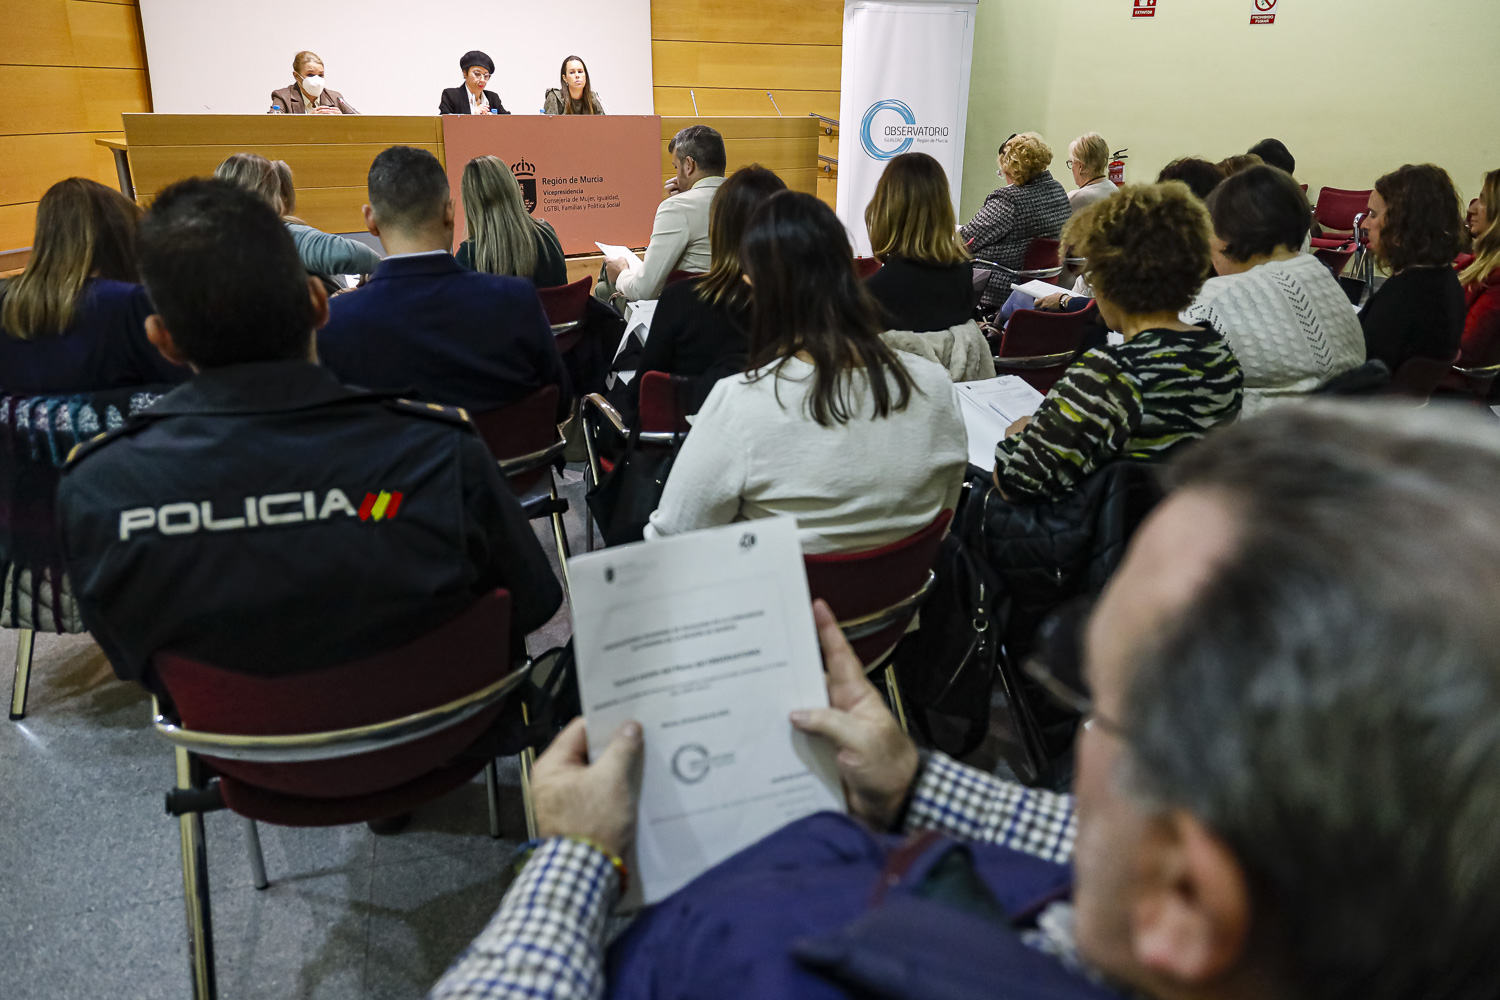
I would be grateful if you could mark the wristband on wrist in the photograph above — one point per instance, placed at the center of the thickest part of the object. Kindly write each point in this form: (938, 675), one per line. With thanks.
(526, 850)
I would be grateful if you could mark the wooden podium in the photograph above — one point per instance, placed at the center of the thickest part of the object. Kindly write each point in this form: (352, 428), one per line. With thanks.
(330, 155)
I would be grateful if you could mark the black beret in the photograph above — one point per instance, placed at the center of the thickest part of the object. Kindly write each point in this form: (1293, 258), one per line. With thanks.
(477, 58)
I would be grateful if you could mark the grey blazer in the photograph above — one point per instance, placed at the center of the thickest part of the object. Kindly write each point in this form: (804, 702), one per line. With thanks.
(290, 99)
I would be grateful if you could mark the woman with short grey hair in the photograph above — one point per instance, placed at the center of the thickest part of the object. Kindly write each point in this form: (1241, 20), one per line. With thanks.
(1088, 158)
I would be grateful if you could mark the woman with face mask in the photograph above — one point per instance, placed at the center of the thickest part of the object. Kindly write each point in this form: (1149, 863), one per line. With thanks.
(307, 95)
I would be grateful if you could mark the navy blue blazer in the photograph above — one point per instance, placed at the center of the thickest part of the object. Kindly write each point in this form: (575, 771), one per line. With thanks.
(426, 327)
(104, 347)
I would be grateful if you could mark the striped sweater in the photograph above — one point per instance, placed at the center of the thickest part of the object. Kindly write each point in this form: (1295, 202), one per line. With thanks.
(1136, 400)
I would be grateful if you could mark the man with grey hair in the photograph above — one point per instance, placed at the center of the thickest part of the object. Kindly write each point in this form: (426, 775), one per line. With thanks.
(1288, 779)
(679, 236)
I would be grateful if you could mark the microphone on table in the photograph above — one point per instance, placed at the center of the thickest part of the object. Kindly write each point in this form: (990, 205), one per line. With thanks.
(696, 112)
(774, 104)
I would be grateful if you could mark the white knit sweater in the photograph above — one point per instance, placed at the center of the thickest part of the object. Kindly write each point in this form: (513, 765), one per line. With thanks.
(1288, 322)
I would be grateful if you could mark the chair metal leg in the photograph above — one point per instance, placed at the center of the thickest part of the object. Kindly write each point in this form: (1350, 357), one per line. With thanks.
(25, 643)
(560, 537)
(894, 690)
(257, 859)
(195, 888)
(528, 758)
(492, 790)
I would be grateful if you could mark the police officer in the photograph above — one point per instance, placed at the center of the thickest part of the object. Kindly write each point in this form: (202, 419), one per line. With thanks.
(263, 517)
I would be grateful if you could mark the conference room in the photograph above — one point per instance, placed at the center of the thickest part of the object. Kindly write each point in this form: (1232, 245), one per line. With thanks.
(672, 498)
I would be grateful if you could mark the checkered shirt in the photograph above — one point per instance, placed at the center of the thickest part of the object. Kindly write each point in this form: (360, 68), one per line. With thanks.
(546, 942)
(1010, 218)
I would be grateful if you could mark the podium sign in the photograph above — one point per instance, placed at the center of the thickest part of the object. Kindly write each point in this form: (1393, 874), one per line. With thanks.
(594, 178)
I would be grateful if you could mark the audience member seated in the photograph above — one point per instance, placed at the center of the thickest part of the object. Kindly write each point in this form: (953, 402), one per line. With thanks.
(679, 235)
(1031, 205)
(1286, 318)
(74, 319)
(862, 444)
(576, 84)
(1170, 382)
(926, 285)
(307, 94)
(701, 329)
(1481, 279)
(471, 97)
(503, 237)
(262, 517)
(1200, 176)
(1273, 153)
(1413, 223)
(323, 254)
(422, 323)
(1234, 164)
(1313, 604)
(1088, 159)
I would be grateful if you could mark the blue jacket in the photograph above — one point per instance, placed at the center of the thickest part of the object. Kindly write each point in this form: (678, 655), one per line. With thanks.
(426, 327)
(105, 347)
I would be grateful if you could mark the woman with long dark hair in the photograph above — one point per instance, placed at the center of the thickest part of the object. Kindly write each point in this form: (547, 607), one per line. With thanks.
(701, 329)
(74, 319)
(864, 445)
(576, 94)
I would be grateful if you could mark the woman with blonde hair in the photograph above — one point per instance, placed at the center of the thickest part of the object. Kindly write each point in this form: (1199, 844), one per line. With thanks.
(1481, 279)
(1031, 205)
(576, 95)
(1170, 382)
(324, 255)
(74, 319)
(926, 284)
(503, 237)
(1088, 159)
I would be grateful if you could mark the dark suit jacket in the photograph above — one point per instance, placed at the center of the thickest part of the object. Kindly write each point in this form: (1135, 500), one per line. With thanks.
(290, 99)
(426, 326)
(105, 346)
(456, 101)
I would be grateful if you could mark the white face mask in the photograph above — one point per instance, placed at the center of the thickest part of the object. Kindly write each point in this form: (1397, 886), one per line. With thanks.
(313, 85)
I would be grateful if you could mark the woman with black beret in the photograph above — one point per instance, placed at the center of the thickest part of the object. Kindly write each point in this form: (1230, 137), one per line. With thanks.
(470, 97)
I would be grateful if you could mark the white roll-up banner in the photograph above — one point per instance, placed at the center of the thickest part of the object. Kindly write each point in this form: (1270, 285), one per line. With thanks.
(905, 89)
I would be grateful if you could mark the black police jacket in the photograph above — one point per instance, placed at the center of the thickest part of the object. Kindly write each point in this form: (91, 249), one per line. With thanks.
(268, 520)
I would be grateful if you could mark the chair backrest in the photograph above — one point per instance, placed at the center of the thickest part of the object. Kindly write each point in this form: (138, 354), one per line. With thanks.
(1337, 208)
(673, 277)
(37, 433)
(1041, 345)
(460, 657)
(857, 584)
(1336, 260)
(661, 408)
(528, 427)
(1042, 255)
(1418, 377)
(866, 266)
(565, 307)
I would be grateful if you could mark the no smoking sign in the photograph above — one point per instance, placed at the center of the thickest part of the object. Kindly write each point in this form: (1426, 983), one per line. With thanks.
(1265, 12)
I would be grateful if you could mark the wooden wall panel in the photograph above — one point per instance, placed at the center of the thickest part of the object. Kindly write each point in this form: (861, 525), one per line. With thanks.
(71, 67)
(728, 54)
(313, 165)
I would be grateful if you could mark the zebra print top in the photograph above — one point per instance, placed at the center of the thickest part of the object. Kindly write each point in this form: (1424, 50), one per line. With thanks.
(1136, 400)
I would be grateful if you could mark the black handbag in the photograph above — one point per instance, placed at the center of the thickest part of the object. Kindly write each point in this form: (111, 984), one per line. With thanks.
(623, 500)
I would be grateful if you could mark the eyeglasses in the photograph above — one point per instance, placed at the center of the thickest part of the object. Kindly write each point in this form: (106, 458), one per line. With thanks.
(1068, 164)
(1056, 663)
(1001, 151)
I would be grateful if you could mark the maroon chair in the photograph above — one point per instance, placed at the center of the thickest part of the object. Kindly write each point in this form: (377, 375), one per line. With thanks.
(526, 442)
(1417, 378)
(1335, 211)
(661, 407)
(866, 266)
(876, 593)
(661, 419)
(346, 744)
(673, 277)
(1335, 260)
(1042, 261)
(1039, 346)
(565, 306)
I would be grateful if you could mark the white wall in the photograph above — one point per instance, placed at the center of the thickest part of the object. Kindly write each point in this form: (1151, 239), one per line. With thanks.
(1355, 88)
(392, 57)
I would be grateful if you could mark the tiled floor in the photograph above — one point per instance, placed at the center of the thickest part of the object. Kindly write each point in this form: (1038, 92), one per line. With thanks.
(90, 874)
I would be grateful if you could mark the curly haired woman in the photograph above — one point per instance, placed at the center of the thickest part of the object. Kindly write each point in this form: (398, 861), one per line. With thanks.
(1032, 204)
(1170, 382)
(1414, 223)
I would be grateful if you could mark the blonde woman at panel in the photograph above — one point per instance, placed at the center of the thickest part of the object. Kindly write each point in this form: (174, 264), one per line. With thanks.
(307, 94)
(503, 238)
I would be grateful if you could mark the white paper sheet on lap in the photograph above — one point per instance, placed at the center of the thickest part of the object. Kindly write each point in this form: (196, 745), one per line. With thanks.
(989, 407)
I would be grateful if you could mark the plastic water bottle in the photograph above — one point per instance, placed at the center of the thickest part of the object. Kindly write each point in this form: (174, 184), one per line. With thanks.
(276, 109)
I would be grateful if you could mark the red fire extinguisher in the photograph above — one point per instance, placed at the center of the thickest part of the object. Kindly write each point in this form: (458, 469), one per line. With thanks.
(1117, 168)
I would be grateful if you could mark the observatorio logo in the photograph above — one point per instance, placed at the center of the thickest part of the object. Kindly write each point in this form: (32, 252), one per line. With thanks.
(890, 128)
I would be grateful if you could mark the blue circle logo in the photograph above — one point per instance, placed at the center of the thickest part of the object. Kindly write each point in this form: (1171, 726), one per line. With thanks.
(868, 141)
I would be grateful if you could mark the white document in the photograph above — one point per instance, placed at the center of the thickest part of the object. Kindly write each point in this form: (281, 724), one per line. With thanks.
(989, 407)
(707, 640)
(611, 251)
(638, 319)
(1040, 289)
